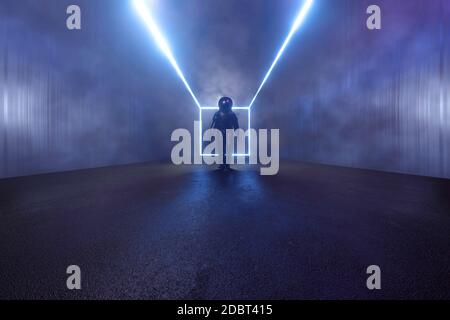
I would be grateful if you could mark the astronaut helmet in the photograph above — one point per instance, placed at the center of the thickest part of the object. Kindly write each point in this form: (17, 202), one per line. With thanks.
(225, 104)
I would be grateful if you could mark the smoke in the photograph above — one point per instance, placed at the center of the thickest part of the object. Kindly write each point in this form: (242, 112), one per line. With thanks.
(367, 99)
(97, 97)
(218, 77)
(341, 94)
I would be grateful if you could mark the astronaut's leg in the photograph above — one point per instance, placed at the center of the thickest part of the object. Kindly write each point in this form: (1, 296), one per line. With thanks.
(222, 152)
(227, 165)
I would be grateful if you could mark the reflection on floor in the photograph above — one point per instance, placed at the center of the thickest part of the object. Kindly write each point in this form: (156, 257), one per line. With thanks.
(160, 231)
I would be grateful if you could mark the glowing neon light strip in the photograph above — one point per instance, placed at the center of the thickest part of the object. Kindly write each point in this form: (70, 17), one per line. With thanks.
(248, 124)
(144, 13)
(297, 23)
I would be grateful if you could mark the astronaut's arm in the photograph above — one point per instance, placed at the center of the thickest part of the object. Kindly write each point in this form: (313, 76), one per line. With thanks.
(213, 123)
(236, 123)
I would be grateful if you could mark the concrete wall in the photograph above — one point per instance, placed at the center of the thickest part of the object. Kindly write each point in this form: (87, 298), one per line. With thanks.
(341, 94)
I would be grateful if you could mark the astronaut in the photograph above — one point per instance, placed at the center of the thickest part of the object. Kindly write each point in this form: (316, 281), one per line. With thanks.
(225, 119)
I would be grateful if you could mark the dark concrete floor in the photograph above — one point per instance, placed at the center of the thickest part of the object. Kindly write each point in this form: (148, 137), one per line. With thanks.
(158, 231)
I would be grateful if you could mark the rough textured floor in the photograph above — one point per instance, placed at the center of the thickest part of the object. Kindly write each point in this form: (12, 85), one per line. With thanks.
(159, 231)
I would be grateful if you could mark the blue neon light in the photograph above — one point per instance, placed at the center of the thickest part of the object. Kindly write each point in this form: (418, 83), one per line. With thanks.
(144, 12)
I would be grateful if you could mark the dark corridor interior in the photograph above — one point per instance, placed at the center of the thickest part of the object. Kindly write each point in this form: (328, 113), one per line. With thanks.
(161, 232)
(86, 176)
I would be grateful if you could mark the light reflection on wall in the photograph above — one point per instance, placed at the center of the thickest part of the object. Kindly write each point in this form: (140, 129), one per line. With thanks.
(377, 100)
(71, 100)
(342, 94)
